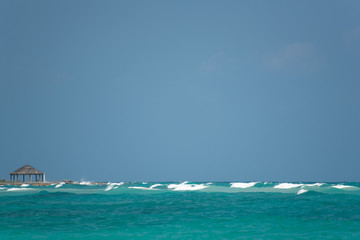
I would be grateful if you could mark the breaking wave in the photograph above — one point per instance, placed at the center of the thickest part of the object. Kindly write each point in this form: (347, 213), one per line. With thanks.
(86, 183)
(142, 188)
(243, 185)
(18, 189)
(288, 185)
(184, 186)
(314, 185)
(297, 188)
(301, 191)
(155, 185)
(59, 184)
(113, 186)
(341, 186)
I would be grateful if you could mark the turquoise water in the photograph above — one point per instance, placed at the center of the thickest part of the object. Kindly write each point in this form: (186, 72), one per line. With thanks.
(181, 211)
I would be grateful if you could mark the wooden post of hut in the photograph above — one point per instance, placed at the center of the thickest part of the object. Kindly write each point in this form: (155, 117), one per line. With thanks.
(27, 170)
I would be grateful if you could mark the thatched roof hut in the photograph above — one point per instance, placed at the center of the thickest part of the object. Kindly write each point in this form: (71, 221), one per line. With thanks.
(27, 170)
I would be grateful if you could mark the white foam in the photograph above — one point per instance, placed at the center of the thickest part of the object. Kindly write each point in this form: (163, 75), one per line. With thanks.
(2, 188)
(113, 186)
(314, 185)
(288, 185)
(86, 183)
(152, 187)
(340, 186)
(108, 188)
(186, 187)
(155, 185)
(18, 189)
(24, 185)
(243, 185)
(143, 188)
(301, 191)
(59, 184)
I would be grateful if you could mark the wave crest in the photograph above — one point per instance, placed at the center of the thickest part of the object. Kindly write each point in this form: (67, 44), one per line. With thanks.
(301, 191)
(243, 185)
(113, 186)
(184, 186)
(288, 185)
(18, 189)
(59, 184)
(341, 186)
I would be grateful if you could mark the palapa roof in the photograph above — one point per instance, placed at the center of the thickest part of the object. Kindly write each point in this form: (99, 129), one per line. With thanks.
(27, 169)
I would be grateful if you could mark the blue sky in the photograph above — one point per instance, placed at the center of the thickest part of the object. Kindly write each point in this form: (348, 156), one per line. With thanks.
(181, 90)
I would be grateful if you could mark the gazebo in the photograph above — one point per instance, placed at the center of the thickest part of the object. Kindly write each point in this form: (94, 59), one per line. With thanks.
(27, 170)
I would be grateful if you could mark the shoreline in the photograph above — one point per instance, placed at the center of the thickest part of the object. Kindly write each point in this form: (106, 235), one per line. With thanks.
(47, 183)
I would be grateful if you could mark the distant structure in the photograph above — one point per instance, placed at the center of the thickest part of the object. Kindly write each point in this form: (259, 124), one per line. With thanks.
(27, 170)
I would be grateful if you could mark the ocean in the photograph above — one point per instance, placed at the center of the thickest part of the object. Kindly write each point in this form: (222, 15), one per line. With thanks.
(182, 210)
